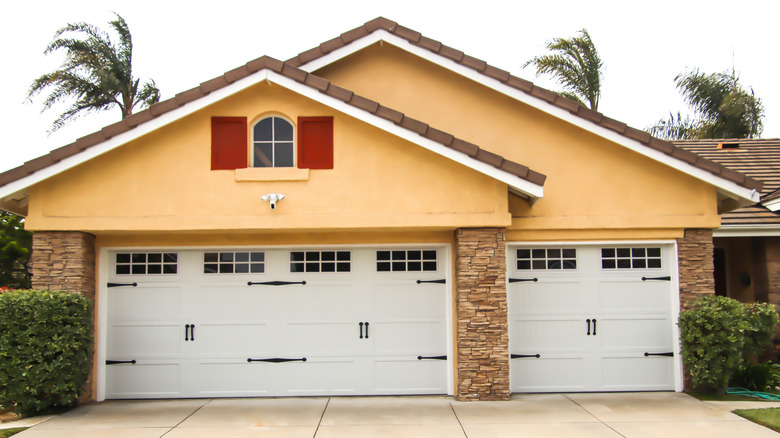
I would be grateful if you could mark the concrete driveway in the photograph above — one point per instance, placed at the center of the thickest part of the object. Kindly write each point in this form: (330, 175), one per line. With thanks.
(630, 415)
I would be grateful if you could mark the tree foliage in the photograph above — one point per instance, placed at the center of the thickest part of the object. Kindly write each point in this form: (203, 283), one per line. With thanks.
(97, 73)
(724, 109)
(576, 65)
(15, 250)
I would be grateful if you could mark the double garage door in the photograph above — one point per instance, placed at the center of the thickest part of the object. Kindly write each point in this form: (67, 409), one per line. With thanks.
(591, 318)
(276, 322)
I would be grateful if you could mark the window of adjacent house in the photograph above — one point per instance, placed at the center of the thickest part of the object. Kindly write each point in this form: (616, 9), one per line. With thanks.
(272, 143)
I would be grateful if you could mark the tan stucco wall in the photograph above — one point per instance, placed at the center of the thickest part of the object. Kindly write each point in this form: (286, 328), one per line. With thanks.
(594, 188)
(163, 181)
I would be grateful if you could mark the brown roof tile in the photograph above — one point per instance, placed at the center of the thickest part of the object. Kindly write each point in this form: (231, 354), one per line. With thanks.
(442, 137)
(515, 168)
(310, 54)
(536, 177)
(474, 63)
(465, 147)
(636, 134)
(520, 84)
(496, 73)
(449, 52)
(236, 74)
(136, 119)
(414, 125)
(429, 44)
(294, 73)
(214, 84)
(380, 23)
(543, 94)
(389, 114)
(339, 93)
(90, 140)
(63, 152)
(407, 34)
(364, 104)
(488, 157)
(114, 129)
(188, 96)
(331, 45)
(589, 115)
(613, 124)
(317, 83)
(661, 145)
(567, 104)
(354, 34)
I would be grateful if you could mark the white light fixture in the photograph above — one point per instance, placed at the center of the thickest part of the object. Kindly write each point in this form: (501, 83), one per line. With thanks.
(273, 198)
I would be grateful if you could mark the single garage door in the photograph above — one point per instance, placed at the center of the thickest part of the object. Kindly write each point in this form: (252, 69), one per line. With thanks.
(276, 322)
(591, 318)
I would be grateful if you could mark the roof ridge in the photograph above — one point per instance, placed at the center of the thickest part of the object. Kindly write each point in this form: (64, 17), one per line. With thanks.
(309, 79)
(528, 87)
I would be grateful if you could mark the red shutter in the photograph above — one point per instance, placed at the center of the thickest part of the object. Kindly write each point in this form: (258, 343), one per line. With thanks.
(228, 143)
(315, 142)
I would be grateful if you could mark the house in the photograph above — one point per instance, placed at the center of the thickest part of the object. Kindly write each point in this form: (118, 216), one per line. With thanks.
(747, 245)
(381, 214)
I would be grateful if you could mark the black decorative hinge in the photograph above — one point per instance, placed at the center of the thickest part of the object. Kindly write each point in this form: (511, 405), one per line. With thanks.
(114, 362)
(432, 357)
(518, 356)
(519, 280)
(442, 281)
(121, 284)
(276, 360)
(667, 278)
(667, 354)
(275, 283)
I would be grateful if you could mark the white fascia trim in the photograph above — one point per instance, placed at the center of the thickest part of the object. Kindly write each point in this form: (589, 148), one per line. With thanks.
(514, 182)
(773, 205)
(137, 132)
(729, 188)
(747, 231)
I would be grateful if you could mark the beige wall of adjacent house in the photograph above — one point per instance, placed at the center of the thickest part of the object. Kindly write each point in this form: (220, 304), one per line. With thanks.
(594, 189)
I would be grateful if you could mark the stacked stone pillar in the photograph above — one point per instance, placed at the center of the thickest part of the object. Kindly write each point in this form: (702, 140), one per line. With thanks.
(65, 260)
(482, 326)
(697, 278)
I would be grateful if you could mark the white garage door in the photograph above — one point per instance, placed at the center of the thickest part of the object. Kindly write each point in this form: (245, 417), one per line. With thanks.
(276, 322)
(591, 318)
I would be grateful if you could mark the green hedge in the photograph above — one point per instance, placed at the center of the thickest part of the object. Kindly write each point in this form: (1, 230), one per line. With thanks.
(718, 334)
(45, 349)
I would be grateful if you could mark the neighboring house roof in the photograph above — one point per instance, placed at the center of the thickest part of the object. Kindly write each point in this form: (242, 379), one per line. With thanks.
(756, 158)
(521, 179)
(382, 29)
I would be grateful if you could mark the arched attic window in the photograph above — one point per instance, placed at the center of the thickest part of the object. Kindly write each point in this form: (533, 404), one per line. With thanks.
(272, 143)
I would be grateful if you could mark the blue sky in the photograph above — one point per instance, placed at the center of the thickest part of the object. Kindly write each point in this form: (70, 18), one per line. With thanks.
(643, 44)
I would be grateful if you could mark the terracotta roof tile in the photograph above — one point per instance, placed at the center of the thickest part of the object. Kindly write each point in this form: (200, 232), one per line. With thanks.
(613, 124)
(310, 54)
(515, 168)
(213, 84)
(188, 96)
(496, 73)
(164, 106)
(354, 34)
(543, 94)
(488, 157)
(449, 52)
(331, 45)
(732, 175)
(536, 177)
(429, 44)
(90, 140)
(414, 125)
(114, 129)
(389, 114)
(63, 152)
(636, 134)
(589, 115)
(465, 147)
(317, 82)
(14, 174)
(364, 104)
(442, 137)
(339, 93)
(567, 104)
(661, 145)
(380, 23)
(407, 34)
(236, 74)
(474, 63)
(520, 84)
(294, 73)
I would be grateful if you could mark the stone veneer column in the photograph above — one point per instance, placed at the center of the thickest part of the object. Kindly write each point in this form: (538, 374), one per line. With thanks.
(482, 338)
(697, 272)
(65, 260)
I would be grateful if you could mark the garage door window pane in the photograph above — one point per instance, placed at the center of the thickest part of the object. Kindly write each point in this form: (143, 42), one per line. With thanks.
(233, 262)
(631, 258)
(546, 259)
(407, 261)
(155, 263)
(320, 261)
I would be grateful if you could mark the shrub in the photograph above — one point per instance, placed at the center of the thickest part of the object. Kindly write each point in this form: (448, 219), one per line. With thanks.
(717, 333)
(45, 349)
(756, 377)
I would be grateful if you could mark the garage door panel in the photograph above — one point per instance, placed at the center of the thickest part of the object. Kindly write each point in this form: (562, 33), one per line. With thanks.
(545, 334)
(549, 374)
(410, 376)
(324, 338)
(322, 375)
(143, 380)
(150, 340)
(638, 373)
(409, 337)
(135, 303)
(408, 300)
(633, 296)
(635, 333)
(237, 302)
(551, 296)
(322, 300)
(236, 378)
(233, 339)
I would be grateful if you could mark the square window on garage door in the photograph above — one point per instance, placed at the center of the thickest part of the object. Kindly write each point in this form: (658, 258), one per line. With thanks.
(320, 261)
(234, 262)
(546, 259)
(631, 258)
(146, 263)
(407, 260)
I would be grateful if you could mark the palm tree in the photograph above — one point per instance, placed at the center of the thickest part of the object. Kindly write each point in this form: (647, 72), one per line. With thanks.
(576, 65)
(723, 107)
(96, 72)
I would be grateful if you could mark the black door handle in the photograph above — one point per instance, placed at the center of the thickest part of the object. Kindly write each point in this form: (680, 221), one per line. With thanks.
(516, 356)
(366, 330)
(442, 281)
(192, 332)
(114, 362)
(121, 284)
(432, 357)
(275, 283)
(276, 360)
(186, 332)
(361, 330)
(588, 321)
(519, 280)
(667, 354)
(594, 326)
(657, 278)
